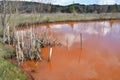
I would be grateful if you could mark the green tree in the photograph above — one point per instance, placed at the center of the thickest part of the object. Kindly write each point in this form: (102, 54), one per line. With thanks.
(72, 8)
(113, 8)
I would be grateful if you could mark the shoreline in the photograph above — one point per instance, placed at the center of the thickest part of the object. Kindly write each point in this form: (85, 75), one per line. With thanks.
(36, 19)
(50, 22)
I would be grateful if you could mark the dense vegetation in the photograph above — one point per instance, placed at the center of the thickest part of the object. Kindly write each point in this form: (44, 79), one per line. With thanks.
(29, 7)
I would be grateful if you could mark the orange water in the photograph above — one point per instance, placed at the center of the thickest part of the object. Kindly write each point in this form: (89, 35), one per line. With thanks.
(98, 59)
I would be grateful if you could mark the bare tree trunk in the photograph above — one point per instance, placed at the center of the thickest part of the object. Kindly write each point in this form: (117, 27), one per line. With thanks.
(3, 19)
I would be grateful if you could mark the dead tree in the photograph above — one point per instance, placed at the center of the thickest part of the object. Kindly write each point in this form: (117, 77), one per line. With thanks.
(7, 17)
(19, 51)
(3, 18)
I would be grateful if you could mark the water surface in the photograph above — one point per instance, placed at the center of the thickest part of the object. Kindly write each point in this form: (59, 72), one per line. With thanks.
(98, 59)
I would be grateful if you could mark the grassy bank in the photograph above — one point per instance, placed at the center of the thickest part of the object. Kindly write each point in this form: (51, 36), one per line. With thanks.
(8, 71)
(30, 18)
(17, 19)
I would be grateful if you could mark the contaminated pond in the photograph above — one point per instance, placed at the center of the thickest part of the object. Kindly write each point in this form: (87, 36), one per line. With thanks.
(90, 50)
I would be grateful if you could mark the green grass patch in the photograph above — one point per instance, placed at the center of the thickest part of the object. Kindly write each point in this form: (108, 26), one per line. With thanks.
(9, 71)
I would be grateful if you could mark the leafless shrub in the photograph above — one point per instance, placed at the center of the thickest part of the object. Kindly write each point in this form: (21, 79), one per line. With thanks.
(29, 44)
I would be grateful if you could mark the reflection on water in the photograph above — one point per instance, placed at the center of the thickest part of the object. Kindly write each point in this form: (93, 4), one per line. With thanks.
(66, 32)
(69, 35)
(99, 59)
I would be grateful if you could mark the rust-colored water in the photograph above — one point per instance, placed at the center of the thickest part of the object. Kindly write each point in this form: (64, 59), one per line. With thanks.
(99, 58)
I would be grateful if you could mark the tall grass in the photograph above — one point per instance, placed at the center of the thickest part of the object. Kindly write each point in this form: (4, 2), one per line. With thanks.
(40, 17)
(65, 17)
